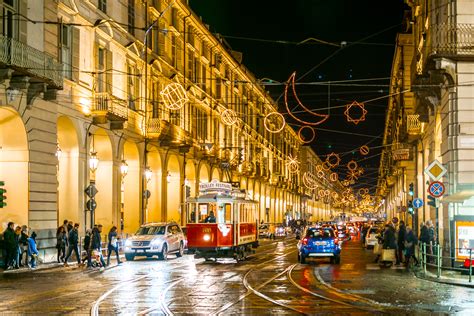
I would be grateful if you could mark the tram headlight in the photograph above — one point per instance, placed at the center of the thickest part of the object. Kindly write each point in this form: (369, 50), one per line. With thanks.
(206, 237)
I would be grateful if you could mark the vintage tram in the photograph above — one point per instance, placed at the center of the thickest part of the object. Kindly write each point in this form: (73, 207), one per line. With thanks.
(221, 222)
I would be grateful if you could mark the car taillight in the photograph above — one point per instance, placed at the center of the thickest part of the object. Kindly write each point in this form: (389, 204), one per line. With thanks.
(336, 241)
(305, 241)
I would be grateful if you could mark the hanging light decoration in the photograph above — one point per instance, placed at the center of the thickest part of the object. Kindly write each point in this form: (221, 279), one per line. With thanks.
(93, 161)
(274, 122)
(229, 117)
(168, 177)
(174, 96)
(148, 174)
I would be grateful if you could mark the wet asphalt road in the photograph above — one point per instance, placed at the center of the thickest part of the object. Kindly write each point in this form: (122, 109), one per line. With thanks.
(271, 282)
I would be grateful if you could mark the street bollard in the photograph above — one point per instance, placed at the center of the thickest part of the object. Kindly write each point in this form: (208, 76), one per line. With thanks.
(470, 265)
(438, 261)
(424, 258)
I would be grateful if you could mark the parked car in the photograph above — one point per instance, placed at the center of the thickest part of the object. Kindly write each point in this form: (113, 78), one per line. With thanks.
(266, 230)
(280, 231)
(371, 237)
(319, 243)
(156, 239)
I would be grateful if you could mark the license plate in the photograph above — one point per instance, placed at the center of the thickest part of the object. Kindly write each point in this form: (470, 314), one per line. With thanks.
(320, 243)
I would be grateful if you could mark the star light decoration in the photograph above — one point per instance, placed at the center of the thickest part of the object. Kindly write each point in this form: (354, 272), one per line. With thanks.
(332, 160)
(351, 119)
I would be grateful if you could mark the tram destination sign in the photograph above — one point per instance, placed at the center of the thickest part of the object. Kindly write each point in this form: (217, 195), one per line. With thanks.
(215, 186)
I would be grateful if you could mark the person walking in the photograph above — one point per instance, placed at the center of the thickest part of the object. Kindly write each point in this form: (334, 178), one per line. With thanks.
(32, 250)
(410, 242)
(97, 243)
(9, 237)
(389, 240)
(66, 231)
(73, 240)
(61, 242)
(113, 245)
(401, 241)
(87, 247)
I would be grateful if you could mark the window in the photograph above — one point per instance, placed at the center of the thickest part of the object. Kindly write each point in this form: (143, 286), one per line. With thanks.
(133, 87)
(101, 74)
(131, 17)
(204, 77)
(66, 50)
(103, 5)
(10, 21)
(190, 65)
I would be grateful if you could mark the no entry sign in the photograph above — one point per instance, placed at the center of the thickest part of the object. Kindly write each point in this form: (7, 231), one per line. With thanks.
(436, 189)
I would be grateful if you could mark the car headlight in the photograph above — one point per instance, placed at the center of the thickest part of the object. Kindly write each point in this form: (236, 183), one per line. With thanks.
(156, 242)
(128, 243)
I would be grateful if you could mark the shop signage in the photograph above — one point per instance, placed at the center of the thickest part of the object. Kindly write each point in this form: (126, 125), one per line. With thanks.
(464, 239)
(215, 186)
(401, 154)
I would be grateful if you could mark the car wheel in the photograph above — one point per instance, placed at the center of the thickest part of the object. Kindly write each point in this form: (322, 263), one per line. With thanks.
(129, 257)
(180, 251)
(302, 258)
(337, 259)
(164, 252)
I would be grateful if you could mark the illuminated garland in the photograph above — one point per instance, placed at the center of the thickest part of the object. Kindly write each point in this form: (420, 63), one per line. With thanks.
(292, 164)
(348, 114)
(174, 96)
(229, 117)
(334, 177)
(335, 163)
(364, 150)
(309, 180)
(352, 165)
(300, 136)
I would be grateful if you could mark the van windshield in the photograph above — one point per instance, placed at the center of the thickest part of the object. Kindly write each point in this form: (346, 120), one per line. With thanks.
(151, 230)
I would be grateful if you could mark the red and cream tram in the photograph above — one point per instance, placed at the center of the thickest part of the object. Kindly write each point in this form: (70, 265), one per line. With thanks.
(221, 222)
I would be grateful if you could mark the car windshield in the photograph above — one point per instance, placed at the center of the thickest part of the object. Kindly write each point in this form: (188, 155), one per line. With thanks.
(151, 230)
(314, 233)
(263, 227)
(374, 231)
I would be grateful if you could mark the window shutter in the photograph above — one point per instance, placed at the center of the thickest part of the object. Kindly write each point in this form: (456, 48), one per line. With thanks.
(161, 39)
(179, 53)
(76, 40)
(109, 71)
(23, 23)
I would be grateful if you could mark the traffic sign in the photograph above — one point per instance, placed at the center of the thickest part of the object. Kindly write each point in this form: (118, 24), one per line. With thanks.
(91, 191)
(435, 170)
(417, 203)
(436, 189)
(91, 205)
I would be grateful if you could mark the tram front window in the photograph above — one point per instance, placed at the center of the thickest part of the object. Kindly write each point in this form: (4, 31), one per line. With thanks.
(191, 213)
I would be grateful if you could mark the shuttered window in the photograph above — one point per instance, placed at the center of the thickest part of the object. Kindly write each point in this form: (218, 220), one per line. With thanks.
(131, 16)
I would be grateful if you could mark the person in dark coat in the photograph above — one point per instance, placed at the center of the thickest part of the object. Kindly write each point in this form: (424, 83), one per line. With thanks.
(61, 242)
(410, 242)
(113, 245)
(424, 234)
(401, 241)
(389, 239)
(17, 250)
(24, 245)
(87, 247)
(73, 240)
(97, 242)
(9, 237)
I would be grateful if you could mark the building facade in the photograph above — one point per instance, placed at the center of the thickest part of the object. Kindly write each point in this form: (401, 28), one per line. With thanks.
(139, 100)
(439, 117)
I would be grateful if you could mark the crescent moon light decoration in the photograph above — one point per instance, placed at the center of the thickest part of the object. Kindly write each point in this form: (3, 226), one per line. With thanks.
(323, 117)
(309, 180)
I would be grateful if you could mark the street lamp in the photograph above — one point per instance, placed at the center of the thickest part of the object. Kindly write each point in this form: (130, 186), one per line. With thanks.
(93, 161)
(58, 151)
(168, 177)
(148, 174)
(124, 168)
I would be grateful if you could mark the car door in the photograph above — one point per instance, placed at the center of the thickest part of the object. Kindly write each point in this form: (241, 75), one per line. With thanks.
(173, 237)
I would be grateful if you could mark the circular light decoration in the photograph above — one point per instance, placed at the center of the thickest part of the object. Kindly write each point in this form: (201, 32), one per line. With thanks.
(320, 174)
(291, 81)
(319, 168)
(274, 122)
(293, 164)
(360, 171)
(326, 166)
(321, 193)
(310, 181)
(345, 183)
(229, 117)
(334, 177)
(174, 96)
(351, 119)
(352, 165)
(364, 150)
(333, 160)
(352, 176)
(363, 191)
(327, 192)
(335, 195)
(300, 136)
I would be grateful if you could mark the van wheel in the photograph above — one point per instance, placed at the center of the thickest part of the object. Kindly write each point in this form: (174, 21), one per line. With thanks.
(129, 257)
(337, 259)
(302, 258)
(180, 251)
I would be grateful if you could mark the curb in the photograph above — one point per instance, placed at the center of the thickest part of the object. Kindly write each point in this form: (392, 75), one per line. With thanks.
(442, 281)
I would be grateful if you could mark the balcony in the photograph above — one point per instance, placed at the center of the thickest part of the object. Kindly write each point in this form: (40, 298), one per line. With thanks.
(167, 133)
(106, 107)
(452, 40)
(31, 62)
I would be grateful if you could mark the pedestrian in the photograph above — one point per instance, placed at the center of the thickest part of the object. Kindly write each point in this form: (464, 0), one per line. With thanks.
(32, 250)
(23, 246)
(401, 241)
(424, 234)
(87, 247)
(73, 240)
(9, 238)
(389, 239)
(113, 245)
(66, 230)
(61, 242)
(410, 242)
(364, 231)
(17, 250)
(97, 243)
(70, 226)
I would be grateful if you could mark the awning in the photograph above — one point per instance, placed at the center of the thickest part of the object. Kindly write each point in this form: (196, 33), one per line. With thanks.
(458, 197)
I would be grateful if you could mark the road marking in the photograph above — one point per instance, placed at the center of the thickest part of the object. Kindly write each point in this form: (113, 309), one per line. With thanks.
(372, 266)
(347, 266)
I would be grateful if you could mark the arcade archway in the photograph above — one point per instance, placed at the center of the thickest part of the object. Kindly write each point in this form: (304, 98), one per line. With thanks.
(173, 189)
(130, 188)
(153, 212)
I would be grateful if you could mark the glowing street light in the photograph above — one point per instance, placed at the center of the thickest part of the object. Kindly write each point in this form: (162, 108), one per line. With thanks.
(124, 168)
(148, 174)
(93, 161)
(168, 177)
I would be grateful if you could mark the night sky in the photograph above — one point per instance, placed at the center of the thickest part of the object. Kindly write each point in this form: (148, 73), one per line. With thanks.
(268, 33)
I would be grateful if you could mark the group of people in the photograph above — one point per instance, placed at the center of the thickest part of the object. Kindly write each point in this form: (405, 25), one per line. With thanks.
(19, 246)
(67, 237)
(403, 240)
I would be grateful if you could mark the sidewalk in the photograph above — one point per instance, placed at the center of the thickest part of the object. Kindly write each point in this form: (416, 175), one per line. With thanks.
(446, 277)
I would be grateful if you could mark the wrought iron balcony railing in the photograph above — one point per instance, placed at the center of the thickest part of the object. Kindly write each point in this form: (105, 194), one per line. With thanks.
(452, 39)
(30, 61)
(106, 105)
